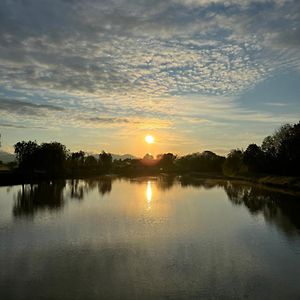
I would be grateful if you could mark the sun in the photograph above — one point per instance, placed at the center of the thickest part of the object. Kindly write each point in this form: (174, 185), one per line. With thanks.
(149, 139)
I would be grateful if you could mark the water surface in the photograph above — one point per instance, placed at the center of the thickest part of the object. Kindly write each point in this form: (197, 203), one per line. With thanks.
(148, 238)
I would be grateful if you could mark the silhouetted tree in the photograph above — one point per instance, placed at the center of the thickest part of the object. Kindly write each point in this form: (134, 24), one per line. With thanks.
(206, 161)
(90, 161)
(166, 161)
(76, 162)
(290, 150)
(48, 158)
(148, 156)
(282, 150)
(254, 158)
(25, 154)
(78, 158)
(278, 154)
(234, 163)
(105, 161)
(51, 158)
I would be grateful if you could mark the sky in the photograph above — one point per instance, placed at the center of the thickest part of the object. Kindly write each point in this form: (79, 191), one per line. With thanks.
(101, 74)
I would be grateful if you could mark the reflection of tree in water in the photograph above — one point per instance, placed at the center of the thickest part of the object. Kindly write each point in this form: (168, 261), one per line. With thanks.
(104, 185)
(164, 183)
(76, 189)
(79, 188)
(50, 195)
(236, 193)
(42, 196)
(277, 208)
(186, 181)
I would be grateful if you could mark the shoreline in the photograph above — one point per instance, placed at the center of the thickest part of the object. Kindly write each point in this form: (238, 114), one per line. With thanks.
(283, 183)
(279, 183)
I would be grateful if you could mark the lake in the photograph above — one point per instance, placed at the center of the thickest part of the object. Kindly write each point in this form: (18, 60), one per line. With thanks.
(148, 238)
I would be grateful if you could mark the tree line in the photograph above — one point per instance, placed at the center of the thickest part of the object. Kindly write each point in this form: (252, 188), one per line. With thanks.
(278, 154)
(54, 160)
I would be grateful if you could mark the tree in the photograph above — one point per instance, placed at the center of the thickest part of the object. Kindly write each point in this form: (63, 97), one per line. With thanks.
(282, 150)
(51, 158)
(273, 144)
(76, 161)
(25, 154)
(48, 158)
(166, 161)
(148, 156)
(254, 158)
(78, 158)
(234, 163)
(289, 151)
(206, 161)
(105, 161)
(90, 161)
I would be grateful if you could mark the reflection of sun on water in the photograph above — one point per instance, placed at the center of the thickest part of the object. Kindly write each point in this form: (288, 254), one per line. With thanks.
(149, 193)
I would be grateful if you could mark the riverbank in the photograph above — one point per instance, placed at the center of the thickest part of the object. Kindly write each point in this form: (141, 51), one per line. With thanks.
(273, 181)
(283, 183)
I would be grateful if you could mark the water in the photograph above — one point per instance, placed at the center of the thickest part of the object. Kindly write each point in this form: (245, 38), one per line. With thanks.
(148, 238)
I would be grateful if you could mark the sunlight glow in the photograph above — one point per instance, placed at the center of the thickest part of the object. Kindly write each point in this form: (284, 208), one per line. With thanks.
(149, 139)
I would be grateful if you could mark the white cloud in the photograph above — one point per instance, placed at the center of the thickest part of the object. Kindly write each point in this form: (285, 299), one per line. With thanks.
(108, 48)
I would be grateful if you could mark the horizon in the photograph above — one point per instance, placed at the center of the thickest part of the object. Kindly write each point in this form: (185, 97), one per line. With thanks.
(122, 154)
(195, 74)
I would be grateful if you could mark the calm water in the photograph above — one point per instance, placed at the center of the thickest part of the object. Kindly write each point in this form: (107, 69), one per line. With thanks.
(148, 238)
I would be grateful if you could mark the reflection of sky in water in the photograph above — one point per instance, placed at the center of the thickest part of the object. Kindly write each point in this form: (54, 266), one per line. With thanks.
(102, 240)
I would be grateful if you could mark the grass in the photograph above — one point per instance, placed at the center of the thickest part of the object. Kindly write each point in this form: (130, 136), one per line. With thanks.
(284, 182)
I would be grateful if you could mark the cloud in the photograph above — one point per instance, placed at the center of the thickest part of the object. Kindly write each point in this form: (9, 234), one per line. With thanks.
(12, 126)
(21, 107)
(87, 115)
(109, 48)
(142, 64)
(226, 3)
(107, 120)
(19, 126)
(279, 104)
(217, 111)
